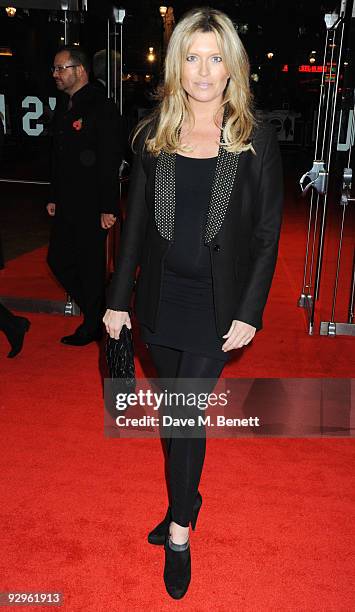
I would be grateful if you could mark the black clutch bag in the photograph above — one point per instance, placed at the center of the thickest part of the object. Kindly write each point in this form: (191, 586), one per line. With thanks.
(120, 360)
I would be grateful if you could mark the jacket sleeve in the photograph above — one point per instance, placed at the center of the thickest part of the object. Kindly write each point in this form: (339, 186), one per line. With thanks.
(109, 156)
(267, 217)
(132, 238)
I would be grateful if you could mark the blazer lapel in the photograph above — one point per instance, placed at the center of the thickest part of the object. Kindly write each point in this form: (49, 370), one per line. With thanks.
(164, 193)
(224, 178)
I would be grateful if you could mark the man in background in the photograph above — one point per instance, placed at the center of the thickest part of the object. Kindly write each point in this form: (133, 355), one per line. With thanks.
(99, 69)
(87, 153)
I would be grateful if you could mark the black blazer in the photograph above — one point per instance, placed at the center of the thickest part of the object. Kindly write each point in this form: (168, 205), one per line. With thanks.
(86, 161)
(242, 232)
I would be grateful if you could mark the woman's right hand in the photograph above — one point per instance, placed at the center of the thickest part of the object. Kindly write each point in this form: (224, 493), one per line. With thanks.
(114, 321)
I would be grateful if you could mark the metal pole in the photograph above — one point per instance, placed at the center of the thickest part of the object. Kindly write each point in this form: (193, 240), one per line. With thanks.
(352, 294)
(344, 201)
(314, 241)
(108, 61)
(121, 68)
(338, 265)
(304, 284)
(322, 94)
(329, 156)
(65, 27)
(309, 285)
(115, 63)
(332, 46)
(24, 182)
(119, 15)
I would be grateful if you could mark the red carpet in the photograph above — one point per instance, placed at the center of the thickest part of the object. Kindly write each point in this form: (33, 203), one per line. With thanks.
(29, 276)
(275, 532)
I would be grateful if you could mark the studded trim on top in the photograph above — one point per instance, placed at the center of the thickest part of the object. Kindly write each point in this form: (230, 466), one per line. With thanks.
(164, 197)
(226, 170)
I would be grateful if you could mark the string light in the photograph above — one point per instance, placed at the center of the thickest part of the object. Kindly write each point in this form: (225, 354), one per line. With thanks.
(10, 11)
(151, 55)
(5, 51)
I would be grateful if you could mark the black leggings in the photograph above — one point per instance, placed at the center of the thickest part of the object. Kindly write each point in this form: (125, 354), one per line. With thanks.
(185, 455)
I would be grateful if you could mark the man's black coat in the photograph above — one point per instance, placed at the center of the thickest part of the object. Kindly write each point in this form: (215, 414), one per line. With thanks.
(243, 252)
(87, 153)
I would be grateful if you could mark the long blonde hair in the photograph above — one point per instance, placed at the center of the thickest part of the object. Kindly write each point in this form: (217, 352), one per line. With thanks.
(174, 105)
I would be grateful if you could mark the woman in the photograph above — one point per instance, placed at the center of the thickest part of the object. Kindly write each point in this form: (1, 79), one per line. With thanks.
(203, 222)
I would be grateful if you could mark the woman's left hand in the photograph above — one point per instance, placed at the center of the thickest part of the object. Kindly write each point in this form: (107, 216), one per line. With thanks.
(239, 334)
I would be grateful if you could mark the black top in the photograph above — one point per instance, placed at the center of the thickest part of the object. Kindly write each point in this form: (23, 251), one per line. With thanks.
(186, 319)
(188, 256)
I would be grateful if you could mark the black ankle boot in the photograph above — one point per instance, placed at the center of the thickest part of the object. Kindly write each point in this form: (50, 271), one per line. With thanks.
(16, 333)
(177, 569)
(159, 533)
(196, 510)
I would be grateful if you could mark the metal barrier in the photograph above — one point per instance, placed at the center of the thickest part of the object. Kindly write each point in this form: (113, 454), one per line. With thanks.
(333, 107)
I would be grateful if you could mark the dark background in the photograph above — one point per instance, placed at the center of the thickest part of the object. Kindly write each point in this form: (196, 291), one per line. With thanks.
(291, 30)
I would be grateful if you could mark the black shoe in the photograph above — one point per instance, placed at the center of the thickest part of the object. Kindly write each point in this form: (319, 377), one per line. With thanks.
(159, 533)
(81, 338)
(17, 334)
(177, 569)
(195, 510)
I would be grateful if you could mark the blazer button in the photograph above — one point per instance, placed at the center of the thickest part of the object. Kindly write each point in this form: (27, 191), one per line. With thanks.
(216, 248)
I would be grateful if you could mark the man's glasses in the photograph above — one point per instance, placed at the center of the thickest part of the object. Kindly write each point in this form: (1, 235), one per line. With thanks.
(61, 69)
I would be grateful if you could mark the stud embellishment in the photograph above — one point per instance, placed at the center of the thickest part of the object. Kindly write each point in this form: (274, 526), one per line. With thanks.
(226, 170)
(164, 204)
(165, 190)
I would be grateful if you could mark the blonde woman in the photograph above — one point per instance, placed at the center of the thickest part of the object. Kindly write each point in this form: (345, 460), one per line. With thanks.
(203, 223)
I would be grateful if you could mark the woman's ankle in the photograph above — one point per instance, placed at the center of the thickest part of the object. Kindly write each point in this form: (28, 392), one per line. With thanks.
(178, 533)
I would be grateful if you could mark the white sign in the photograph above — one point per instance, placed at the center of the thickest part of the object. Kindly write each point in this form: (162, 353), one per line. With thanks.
(31, 123)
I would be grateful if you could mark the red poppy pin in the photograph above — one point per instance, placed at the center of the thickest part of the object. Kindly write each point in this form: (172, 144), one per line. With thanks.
(78, 124)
